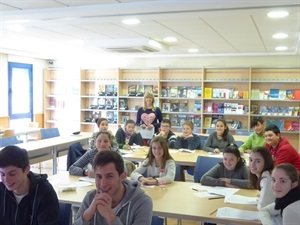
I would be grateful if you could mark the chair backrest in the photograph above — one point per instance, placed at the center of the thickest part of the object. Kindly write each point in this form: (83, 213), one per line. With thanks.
(239, 143)
(49, 133)
(244, 133)
(202, 140)
(8, 133)
(209, 131)
(204, 164)
(157, 220)
(65, 215)
(5, 141)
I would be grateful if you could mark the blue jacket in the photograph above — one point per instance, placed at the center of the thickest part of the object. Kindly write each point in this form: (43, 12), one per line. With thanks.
(39, 207)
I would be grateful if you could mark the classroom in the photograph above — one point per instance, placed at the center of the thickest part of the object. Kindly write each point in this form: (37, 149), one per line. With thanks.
(64, 64)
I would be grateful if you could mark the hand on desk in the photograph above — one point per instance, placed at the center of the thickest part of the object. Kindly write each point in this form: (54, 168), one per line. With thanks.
(148, 180)
(90, 173)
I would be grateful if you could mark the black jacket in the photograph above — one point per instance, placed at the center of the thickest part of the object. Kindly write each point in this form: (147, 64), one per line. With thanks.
(39, 207)
(135, 138)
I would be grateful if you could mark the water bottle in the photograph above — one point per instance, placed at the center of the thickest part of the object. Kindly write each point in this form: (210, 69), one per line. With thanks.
(162, 182)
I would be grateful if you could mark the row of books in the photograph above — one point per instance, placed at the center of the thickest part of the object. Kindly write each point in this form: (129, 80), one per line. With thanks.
(105, 103)
(111, 116)
(284, 125)
(226, 108)
(140, 89)
(210, 122)
(180, 106)
(108, 90)
(177, 120)
(226, 93)
(181, 91)
(276, 110)
(291, 94)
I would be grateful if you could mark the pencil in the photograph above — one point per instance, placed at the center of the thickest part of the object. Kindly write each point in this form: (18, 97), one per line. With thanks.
(213, 212)
(215, 198)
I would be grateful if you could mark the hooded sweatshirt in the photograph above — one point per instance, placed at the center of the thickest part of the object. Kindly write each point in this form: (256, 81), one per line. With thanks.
(135, 138)
(284, 152)
(134, 209)
(39, 207)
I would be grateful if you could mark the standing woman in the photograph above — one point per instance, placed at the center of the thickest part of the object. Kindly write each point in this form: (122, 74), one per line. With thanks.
(261, 165)
(285, 186)
(149, 116)
(219, 139)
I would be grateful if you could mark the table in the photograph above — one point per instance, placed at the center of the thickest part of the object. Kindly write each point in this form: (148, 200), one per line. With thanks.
(41, 150)
(166, 203)
(242, 138)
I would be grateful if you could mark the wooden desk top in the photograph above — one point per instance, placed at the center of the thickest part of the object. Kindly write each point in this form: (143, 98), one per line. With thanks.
(176, 201)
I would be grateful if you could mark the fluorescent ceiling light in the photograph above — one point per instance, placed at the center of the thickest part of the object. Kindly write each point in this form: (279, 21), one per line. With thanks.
(280, 35)
(193, 50)
(278, 14)
(131, 21)
(281, 48)
(170, 39)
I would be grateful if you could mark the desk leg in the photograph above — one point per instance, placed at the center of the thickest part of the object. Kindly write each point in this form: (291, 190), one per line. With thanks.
(54, 160)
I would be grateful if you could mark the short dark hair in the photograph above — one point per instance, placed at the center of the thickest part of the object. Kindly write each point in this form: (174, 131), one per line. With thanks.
(166, 121)
(13, 155)
(99, 120)
(274, 128)
(255, 121)
(130, 121)
(105, 157)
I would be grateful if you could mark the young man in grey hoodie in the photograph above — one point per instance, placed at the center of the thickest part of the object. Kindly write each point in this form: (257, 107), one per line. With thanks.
(116, 201)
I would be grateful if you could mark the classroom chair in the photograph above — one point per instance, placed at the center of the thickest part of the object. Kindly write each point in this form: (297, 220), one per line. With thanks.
(49, 133)
(12, 140)
(65, 214)
(209, 131)
(204, 164)
(239, 143)
(157, 220)
(202, 140)
(243, 133)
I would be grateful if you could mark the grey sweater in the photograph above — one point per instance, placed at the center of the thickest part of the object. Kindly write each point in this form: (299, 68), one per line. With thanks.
(239, 177)
(213, 142)
(135, 208)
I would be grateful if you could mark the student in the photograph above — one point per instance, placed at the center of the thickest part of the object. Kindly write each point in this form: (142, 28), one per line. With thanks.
(158, 158)
(285, 186)
(261, 165)
(102, 124)
(187, 139)
(257, 138)
(115, 200)
(103, 142)
(126, 136)
(282, 151)
(218, 139)
(149, 116)
(25, 197)
(165, 132)
(232, 172)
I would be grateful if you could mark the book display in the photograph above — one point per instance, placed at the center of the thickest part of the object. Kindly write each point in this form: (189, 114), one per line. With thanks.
(198, 95)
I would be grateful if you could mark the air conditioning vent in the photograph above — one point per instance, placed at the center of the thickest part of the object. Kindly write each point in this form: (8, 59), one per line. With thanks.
(139, 49)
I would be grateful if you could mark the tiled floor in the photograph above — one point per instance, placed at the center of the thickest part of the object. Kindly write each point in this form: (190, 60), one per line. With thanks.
(46, 167)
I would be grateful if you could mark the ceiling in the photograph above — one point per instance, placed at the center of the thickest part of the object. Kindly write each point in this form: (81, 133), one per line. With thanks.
(56, 28)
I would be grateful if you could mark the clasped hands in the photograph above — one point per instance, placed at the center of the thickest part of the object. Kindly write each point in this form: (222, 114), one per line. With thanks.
(148, 126)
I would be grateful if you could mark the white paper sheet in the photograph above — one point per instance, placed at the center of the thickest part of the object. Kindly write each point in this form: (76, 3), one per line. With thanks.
(187, 150)
(239, 199)
(146, 133)
(228, 212)
(222, 191)
(87, 179)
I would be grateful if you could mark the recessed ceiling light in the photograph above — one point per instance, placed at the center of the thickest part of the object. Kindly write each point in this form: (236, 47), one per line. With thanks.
(193, 50)
(15, 27)
(280, 35)
(131, 21)
(170, 39)
(278, 14)
(281, 48)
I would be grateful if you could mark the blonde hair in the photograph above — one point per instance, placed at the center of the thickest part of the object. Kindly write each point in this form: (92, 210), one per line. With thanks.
(149, 94)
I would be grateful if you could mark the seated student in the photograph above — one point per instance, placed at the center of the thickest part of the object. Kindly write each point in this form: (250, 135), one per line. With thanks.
(102, 124)
(232, 172)
(285, 186)
(187, 139)
(261, 165)
(126, 136)
(257, 138)
(26, 197)
(165, 132)
(158, 158)
(282, 151)
(115, 200)
(219, 139)
(103, 142)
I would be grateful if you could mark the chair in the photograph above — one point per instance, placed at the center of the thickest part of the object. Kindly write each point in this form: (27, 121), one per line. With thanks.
(157, 220)
(5, 141)
(209, 131)
(204, 164)
(49, 133)
(243, 133)
(65, 214)
(202, 141)
(239, 143)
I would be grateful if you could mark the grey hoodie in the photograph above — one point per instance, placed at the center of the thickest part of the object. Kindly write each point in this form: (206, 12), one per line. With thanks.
(135, 207)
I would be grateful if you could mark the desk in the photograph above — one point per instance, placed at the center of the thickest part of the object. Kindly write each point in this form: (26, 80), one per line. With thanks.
(41, 150)
(166, 203)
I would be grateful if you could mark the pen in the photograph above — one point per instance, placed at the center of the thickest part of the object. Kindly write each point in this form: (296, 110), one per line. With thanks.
(213, 212)
(194, 189)
(215, 198)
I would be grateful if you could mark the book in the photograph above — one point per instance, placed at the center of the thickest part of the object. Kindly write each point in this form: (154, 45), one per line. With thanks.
(274, 94)
(215, 107)
(198, 91)
(166, 106)
(174, 106)
(208, 107)
(183, 106)
(289, 94)
(191, 118)
(227, 108)
(148, 88)
(101, 103)
(140, 90)
(125, 117)
(197, 121)
(173, 92)
(115, 93)
(255, 93)
(109, 103)
(101, 90)
(132, 90)
(182, 92)
(191, 92)
(165, 91)
(109, 89)
(296, 94)
(207, 92)
(174, 120)
(110, 116)
(197, 106)
(181, 119)
(282, 94)
(115, 103)
(123, 104)
(220, 108)
(278, 122)
(155, 90)
(207, 121)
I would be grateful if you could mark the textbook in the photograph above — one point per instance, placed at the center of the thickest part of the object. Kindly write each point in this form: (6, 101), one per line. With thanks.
(182, 92)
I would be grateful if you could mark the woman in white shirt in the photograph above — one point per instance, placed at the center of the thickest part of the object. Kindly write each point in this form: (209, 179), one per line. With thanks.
(158, 159)
(261, 165)
(285, 186)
